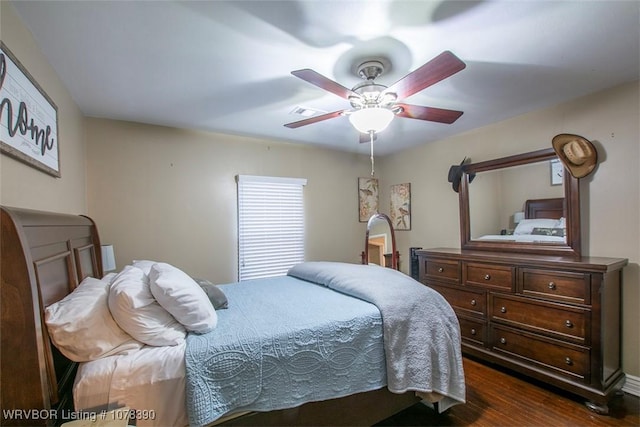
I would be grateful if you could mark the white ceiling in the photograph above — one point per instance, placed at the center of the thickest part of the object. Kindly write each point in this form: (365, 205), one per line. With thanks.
(225, 66)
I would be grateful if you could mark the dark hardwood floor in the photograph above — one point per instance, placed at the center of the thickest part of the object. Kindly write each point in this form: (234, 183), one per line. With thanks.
(497, 397)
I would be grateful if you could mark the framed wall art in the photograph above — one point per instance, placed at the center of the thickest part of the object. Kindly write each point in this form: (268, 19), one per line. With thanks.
(367, 198)
(28, 117)
(557, 172)
(401, 206)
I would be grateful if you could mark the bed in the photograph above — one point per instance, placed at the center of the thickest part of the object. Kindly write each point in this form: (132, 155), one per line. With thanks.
(543, 222)
(45, 256)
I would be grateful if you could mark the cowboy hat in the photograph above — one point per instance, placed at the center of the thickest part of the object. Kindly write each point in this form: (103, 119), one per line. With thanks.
(455, 174)
(576, 153)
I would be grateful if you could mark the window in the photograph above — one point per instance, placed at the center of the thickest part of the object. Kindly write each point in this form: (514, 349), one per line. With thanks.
(270, 225)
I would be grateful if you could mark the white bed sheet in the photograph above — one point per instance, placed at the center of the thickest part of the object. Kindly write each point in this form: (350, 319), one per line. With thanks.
(530, 238)
(150, 381)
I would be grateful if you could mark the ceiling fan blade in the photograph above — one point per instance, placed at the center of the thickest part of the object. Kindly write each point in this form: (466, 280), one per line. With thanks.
(431, 114)
(439, 68)
(364, 137)
(315, 119)
(323, 82)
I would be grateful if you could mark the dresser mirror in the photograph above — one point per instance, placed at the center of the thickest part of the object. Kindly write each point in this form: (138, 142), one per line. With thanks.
(380, 243)
(523, 203)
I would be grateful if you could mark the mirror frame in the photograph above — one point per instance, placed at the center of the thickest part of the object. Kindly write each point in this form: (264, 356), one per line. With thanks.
(394, 251)
(572, 208)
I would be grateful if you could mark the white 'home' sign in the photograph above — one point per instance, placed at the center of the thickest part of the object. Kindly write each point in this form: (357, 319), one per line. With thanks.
(28, 117)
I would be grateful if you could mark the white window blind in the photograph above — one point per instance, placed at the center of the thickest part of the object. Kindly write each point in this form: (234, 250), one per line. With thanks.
(270, 225)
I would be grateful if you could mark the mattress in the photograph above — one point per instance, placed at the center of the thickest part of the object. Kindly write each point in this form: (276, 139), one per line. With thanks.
(150, 381)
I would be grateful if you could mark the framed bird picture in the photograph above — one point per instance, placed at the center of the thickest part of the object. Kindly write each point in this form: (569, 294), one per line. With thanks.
(367, 198)
(401, 206)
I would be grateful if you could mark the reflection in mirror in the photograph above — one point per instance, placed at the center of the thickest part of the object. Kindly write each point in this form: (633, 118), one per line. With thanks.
(380, 243)
(500, 205)
(517, 204)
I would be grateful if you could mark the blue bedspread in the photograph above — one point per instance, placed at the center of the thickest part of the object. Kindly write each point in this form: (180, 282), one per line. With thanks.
(281, 343)
(421, 332)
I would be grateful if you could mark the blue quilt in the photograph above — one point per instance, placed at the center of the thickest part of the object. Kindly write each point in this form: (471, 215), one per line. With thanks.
(421, 332)
(281, 343)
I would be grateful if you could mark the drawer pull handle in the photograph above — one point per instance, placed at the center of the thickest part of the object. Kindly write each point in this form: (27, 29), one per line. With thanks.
(487, 277)
(568, 324)
(552, 286)
(568, 361)
(474, 302)
(440, 270)
(503, 309)
(503, 340)
(473, 332)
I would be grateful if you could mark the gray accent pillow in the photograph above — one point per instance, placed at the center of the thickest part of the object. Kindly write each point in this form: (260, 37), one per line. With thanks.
(216, 296)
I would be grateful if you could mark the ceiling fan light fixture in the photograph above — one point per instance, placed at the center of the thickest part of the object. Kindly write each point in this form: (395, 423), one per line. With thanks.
(374, 105)
(371, 119)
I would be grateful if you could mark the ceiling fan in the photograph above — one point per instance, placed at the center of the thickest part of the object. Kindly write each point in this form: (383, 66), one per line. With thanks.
(375, 105)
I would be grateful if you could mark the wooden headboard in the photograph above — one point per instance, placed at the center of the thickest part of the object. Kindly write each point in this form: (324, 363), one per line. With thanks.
(544, 208)
(44, 257)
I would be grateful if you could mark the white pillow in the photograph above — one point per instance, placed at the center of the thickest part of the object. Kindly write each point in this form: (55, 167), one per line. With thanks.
(182, 297)
(81, 326)
(109, 277)
(562, 223)
(526, 226)
(144, 265)
(137, 312)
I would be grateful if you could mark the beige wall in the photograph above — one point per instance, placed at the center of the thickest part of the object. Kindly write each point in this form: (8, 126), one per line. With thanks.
(610, 197)
(169, 194)
(22, 185)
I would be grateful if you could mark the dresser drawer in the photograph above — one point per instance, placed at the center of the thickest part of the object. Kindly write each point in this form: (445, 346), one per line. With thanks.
(565, 322)
(463, 300)
(557, 285)
(489, 275)
(473, 330)
(565, 359)
(442, 270)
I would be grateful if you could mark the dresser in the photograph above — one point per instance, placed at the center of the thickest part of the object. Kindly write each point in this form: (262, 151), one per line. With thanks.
(552, 318)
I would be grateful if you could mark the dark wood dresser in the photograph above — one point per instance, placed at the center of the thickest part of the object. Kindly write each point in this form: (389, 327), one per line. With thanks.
(552, 318)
